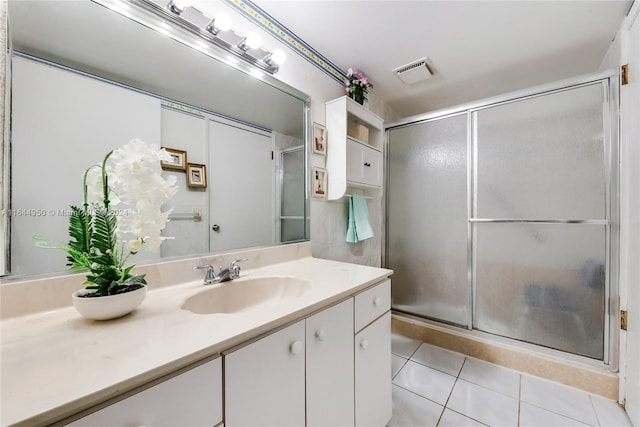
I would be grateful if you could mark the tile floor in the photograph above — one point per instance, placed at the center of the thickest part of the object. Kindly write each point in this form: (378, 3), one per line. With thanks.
(437, 387)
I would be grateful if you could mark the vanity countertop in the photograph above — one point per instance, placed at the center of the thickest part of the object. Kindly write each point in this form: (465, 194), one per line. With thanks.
(56, 363)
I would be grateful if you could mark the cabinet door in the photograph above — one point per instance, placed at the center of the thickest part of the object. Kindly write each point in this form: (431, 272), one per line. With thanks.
(373, 373)
(372, 167)
(330, 367)
(364, 164)
(193, 398)
(355, 161)
(264, 381)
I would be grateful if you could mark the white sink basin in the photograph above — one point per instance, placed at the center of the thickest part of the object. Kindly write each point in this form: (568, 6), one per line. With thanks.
(242, 295)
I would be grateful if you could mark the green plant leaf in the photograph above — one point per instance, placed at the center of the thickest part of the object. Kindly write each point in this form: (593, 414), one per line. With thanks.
(135, 280)
(79, 235)
(103, 239)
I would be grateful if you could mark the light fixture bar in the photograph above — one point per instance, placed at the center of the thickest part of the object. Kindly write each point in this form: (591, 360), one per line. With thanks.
(162, 9)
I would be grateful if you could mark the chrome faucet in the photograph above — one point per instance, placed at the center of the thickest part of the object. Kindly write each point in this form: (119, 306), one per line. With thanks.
(224, 274)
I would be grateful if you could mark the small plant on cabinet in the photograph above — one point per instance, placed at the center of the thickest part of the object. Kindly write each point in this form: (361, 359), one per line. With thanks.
(357, 86)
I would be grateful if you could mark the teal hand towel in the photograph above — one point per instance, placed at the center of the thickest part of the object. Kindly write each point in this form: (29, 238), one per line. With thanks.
(358, 227)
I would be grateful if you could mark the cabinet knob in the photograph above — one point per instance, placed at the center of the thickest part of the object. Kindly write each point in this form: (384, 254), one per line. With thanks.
(376, 301)
(364, 344)
(321, 334)
(296, 347)
(368, 164)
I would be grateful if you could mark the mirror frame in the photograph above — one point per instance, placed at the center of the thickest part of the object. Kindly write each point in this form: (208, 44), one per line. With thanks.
(190, 38)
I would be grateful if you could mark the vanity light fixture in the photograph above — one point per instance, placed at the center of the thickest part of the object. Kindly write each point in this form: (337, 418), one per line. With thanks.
(216, 31)
(276, 57)
(221, 22)
(251, 41)
(178, 6)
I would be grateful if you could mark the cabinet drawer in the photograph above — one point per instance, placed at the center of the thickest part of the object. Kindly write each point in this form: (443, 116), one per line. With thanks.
(193, 398)
(372, 303)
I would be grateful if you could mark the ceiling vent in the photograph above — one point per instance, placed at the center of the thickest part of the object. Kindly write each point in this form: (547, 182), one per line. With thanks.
(416, 71)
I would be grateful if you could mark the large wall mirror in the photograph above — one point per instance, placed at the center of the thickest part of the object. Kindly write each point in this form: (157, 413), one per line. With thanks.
(86, 79)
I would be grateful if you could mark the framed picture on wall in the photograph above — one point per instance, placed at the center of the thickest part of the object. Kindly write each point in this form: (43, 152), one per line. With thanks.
(178, 159)
(196, 175)
(319, 180)
(319, 139)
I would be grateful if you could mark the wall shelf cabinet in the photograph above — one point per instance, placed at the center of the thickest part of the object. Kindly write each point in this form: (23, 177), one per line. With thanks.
(354, 149)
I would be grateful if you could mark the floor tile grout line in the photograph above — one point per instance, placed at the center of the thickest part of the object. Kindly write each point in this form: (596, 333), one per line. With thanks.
(555, 383)
(519, 397)
(393, 377)
(489, 389)
(558, 413)
(466, 416)
(419, 395)
(436, 369)
(414, 351)
(595, 412)
(451, 392)
(461, 366)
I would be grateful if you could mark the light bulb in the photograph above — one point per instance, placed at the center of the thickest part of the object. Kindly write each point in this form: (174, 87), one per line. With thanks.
(278, 56)
(222, 21)
(178, 6)
(253, 40)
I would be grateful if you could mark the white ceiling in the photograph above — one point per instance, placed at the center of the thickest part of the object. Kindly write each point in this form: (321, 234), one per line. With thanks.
(480, 48)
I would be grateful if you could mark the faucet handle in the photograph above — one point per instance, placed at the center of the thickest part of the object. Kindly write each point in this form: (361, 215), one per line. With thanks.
(236, 261)
(235, 268)
(211, 272)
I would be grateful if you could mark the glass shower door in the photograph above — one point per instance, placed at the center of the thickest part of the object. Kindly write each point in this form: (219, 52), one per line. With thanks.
(291, 194)
(427, 219)
(540, 223)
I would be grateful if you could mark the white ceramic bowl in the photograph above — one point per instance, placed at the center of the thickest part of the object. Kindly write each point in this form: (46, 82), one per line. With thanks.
(108, 307)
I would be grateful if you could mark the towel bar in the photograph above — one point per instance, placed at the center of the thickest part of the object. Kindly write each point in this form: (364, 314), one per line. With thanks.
(366, 197)
(194, 216)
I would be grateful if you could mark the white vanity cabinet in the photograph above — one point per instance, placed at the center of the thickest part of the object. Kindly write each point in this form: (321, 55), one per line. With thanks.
(373, 356)
(330, 367)
(354, 149)
(192, 398)
(265, 380)
(306, 368)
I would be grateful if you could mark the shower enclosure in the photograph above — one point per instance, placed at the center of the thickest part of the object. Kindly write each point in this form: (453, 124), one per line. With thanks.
(501, 216)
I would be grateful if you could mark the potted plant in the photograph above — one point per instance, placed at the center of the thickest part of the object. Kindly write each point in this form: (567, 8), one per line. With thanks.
(357, 86)
(121, 212)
